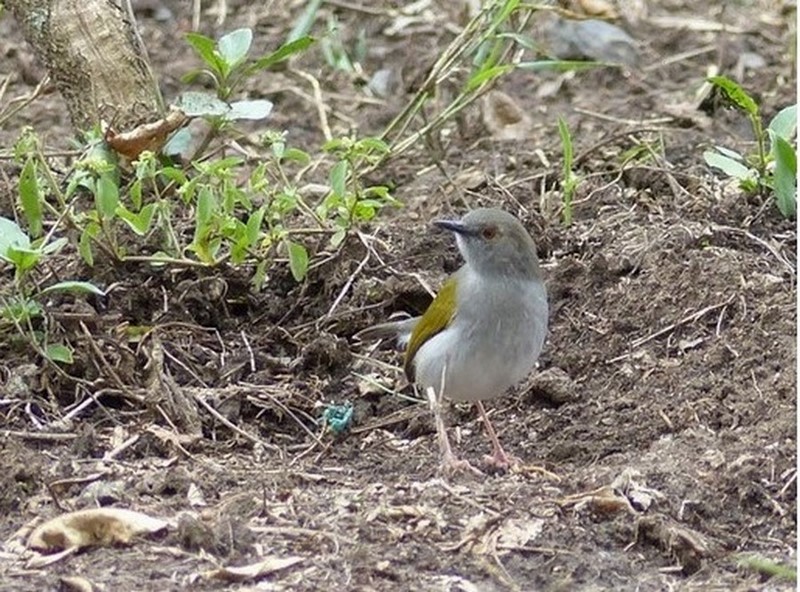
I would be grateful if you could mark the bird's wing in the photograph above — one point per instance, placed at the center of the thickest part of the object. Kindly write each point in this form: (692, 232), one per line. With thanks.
(437, 317)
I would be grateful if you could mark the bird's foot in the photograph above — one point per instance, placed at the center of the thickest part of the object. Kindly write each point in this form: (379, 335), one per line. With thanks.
(501, 462)
(452, 465)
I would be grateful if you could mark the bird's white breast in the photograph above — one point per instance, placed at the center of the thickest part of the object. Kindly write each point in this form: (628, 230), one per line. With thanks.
(491, 345)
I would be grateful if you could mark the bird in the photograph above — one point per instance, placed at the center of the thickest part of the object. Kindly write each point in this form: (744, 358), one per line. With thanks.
(485, 329)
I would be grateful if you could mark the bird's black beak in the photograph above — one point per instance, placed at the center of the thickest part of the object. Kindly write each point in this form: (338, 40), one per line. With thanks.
(452, 225)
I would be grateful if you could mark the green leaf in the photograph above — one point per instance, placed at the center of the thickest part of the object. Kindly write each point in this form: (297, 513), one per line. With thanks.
(735, 94)
(21, 310)
(56, 352)
(22, 259)
(284, 52)
(54, 246)
(259, 276)
(234, 46)
(729, 153)
(502, 15)
(338, 237)
(135, 194)
(30, 197)
(85, 247)
(254, 222)
(785, 176)
(566, 143)
(338, 178)
(106, 195)
(298, 260)
(178, 143)
(73, 287)
(200, 104)
(256, 109)
(138, 222)
(729, 166)
(563, 65)
(374, 145)
(296, 155)
(784, 124)
(206, 49)
(11, 235)
(305, 22)
(206, 206)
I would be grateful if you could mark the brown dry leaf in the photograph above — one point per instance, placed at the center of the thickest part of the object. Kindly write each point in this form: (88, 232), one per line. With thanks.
(476, 532)
(638, 494)
(503, 118)
(515, 534)
(75, 584)
(266, 566)
(604, 500)
(688, 546)
(98, 526)
(694, 23)
(598, 8)
(42, 561)
(148, 136)
(471, 179)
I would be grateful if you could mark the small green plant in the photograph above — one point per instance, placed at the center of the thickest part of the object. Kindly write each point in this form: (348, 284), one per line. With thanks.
(227, 65)
(569, 180)
(20, 302)
(337, 55)
(349, 202)
(768, 567)
(773, 166)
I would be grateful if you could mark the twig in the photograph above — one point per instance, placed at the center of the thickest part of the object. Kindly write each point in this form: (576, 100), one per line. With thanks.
(689, 319)
(43, 436)
(346, 288)
(790, 268)
(611, 118)
(250, 354)
(230, 425)
(318, 102)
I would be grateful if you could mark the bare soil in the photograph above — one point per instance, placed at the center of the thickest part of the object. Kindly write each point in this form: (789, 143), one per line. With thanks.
(663, 409)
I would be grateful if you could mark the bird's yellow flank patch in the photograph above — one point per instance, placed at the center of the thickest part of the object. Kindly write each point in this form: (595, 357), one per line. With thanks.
(437, 317)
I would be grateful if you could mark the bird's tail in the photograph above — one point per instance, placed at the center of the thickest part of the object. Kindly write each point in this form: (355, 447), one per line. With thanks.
(401, 330)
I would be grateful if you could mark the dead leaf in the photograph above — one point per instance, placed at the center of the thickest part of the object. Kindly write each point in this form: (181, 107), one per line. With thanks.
(75, 584)
(598, 8)
(148, 136)
(604, 500)
(688, 546)
(503, 118)
(515, 534)
(98, 526)
(253, 571)
(195, 496)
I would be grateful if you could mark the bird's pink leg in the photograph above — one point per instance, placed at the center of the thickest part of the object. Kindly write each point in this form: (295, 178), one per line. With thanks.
(450, 463)
(499, 458)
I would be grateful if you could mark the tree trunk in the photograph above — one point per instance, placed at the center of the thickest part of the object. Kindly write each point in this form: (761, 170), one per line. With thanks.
(91, 51)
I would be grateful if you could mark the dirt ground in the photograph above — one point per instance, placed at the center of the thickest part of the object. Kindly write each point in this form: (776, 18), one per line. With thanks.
(664, 406)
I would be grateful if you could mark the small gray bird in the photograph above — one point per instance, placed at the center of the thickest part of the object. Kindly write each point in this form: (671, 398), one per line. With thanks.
(485, 329)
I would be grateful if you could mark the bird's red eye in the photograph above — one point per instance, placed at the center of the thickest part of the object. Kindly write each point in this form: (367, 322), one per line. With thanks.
(489, 232)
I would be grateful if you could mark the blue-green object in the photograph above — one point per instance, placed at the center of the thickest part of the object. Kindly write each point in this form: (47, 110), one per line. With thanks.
(338, 417)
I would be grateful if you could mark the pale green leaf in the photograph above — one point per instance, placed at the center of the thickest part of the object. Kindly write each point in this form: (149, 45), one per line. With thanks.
(298, 260)
(338, 178)
(56, 352)
(732, 168)
(234, 46)
(30, 197)
(256, 109)
(784, 124)
(73, 287)
(785, 176)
